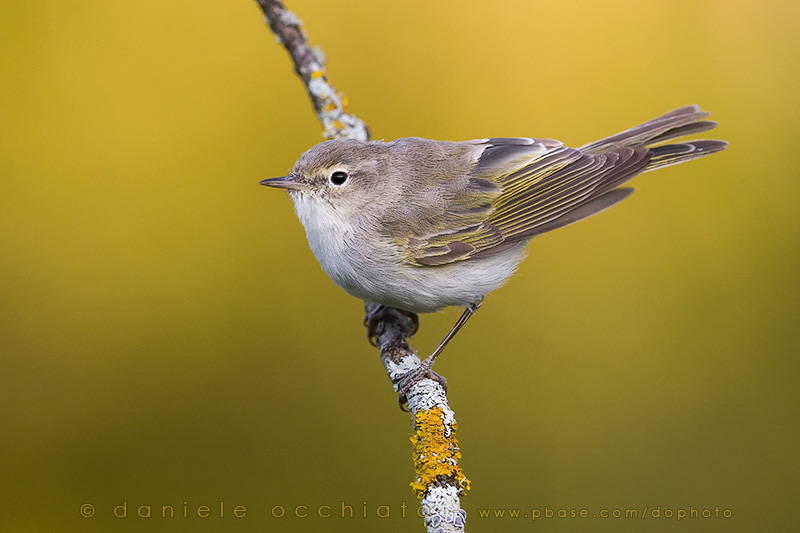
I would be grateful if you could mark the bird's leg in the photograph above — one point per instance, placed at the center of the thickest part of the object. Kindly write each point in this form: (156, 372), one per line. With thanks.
(378, 314)
(425, 369)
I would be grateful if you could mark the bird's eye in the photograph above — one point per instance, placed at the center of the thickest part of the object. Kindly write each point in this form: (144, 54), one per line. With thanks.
(338, 177)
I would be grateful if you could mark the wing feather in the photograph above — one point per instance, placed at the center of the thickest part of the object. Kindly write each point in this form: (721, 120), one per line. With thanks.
(519, 188)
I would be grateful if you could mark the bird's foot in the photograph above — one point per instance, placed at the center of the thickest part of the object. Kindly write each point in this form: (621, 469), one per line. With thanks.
(379, 313)
(414, 376)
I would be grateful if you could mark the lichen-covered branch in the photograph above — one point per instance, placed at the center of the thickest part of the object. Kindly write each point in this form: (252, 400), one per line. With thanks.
(330, 105)
(439, 481)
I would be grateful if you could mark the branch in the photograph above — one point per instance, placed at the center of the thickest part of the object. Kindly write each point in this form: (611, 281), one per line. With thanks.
(439, 480)
(330, 105)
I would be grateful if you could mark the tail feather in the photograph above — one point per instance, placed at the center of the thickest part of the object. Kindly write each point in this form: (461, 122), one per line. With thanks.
(683, 131)
(688, 120)
(672, 154)
(639, 150)
(681, 121)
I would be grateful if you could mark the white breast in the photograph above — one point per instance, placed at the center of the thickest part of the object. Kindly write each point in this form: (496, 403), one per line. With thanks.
(362, 262)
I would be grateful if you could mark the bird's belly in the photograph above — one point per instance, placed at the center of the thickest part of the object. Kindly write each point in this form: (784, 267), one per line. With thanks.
(377, 274)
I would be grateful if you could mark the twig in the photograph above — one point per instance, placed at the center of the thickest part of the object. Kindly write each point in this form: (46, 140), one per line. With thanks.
(439, 481)
(330, 105)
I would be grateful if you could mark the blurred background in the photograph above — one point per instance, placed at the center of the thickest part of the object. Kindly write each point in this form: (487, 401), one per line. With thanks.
(167, 338)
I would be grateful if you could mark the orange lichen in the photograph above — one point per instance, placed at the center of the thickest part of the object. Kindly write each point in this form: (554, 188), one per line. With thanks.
(436, 452)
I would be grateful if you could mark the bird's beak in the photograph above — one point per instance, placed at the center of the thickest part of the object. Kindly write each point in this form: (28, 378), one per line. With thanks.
(284, 182)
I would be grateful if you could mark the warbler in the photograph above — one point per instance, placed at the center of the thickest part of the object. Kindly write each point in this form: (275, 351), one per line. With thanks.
(419, 225)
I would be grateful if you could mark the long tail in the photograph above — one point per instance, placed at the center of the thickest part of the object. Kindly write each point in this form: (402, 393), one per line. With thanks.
(678, 123)
(625, 155)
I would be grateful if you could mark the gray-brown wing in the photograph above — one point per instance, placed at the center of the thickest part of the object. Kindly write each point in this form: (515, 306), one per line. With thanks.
(561, 187)
(506, 203)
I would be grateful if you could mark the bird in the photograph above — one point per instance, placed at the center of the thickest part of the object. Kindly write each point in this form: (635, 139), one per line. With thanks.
(419, 225)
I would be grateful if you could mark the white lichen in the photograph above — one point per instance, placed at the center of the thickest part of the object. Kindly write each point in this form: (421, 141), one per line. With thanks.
(319, 54)
(290, 19)
(321, 88)
(442, 510)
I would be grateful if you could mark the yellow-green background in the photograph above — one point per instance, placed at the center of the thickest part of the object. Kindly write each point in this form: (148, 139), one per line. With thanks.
(166, 335)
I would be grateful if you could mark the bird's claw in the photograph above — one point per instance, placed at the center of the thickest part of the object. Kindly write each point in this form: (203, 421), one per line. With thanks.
(411, 378)
(380, 313)
(371, 321)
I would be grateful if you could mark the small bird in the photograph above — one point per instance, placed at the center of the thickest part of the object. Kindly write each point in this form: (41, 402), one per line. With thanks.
(419, 225)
